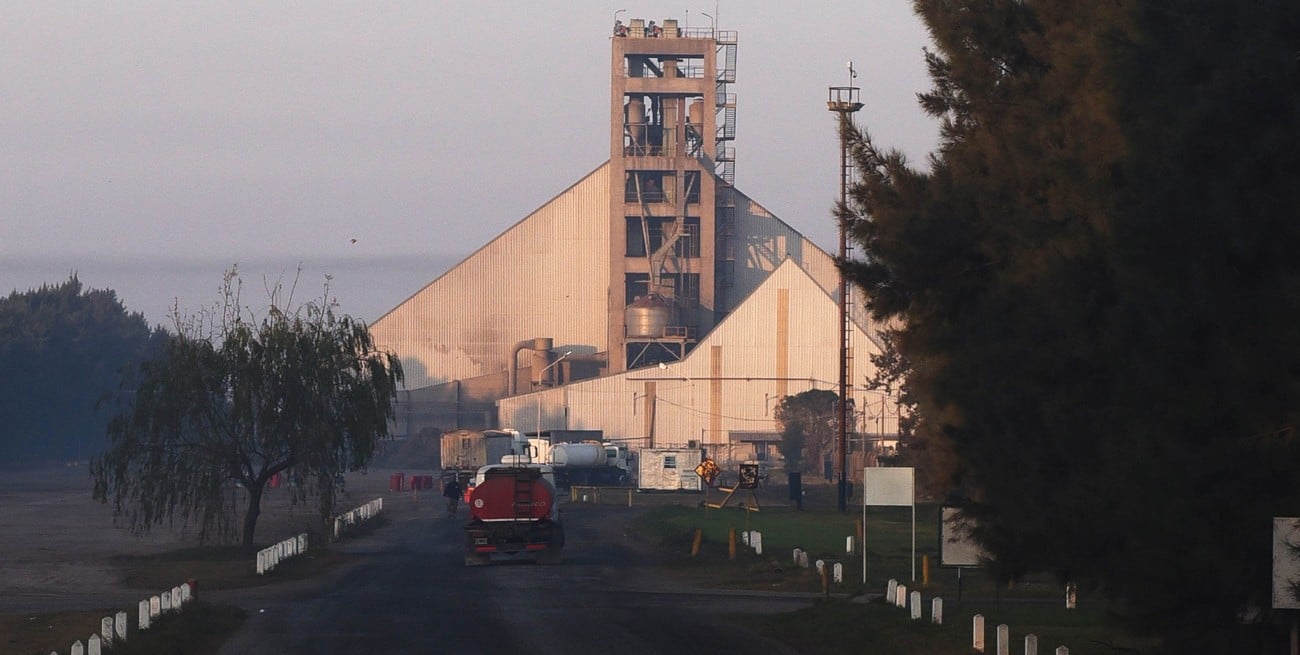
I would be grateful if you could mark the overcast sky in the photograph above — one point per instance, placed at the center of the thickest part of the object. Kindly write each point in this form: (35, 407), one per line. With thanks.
(149, 146)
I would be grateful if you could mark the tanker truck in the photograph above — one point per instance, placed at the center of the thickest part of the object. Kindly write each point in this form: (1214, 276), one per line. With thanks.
(514, 513)
(589, 463)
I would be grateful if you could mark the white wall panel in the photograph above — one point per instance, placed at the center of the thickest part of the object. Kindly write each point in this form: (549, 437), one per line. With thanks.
(534, 280)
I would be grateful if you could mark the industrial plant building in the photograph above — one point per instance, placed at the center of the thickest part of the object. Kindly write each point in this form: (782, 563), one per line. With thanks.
(651, 300)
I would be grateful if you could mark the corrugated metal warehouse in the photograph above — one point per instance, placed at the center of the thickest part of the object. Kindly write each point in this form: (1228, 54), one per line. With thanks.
(651, 300)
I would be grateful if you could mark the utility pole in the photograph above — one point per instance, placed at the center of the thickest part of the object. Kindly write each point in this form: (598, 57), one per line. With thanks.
(843, 100)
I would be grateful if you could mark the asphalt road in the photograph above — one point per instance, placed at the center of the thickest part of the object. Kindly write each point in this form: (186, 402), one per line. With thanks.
(411, 593)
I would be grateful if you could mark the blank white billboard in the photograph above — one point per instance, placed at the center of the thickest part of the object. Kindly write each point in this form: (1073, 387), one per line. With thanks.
(888, 485)
(956, 547)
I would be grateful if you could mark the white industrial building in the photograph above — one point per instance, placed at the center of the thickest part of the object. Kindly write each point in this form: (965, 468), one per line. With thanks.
(651, 300)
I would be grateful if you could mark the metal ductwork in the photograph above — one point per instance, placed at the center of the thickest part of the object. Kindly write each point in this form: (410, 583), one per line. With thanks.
(543, 357)
(541, 347)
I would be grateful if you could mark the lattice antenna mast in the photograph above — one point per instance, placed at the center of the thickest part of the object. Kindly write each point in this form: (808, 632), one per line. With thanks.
(843, 101)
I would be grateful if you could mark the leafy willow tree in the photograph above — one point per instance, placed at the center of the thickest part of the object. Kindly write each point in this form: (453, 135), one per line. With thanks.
(63, 348)
(808, 428)
(239, 400)
(1097, 284)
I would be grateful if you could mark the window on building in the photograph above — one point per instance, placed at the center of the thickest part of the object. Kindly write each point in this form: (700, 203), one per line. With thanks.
(688, 244)
(637, 284)
(649, 184)
(686, 287)
(635, 238)
(670, 461)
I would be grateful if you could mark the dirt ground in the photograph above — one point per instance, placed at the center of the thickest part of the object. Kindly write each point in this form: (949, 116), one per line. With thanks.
(57, 543)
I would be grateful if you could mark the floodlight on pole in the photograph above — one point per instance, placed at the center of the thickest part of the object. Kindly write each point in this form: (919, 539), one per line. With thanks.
(540, 375)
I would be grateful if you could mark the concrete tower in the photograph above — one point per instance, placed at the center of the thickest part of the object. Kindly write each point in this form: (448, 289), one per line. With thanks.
(672, 210)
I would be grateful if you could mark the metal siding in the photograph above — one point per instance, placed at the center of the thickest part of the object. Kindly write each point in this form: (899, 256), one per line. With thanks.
(748, 339)
(465, 323)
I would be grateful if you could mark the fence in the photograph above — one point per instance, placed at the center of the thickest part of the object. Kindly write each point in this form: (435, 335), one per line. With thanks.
(897, 595)
(271, 556)
(113, 629)
(351, 519)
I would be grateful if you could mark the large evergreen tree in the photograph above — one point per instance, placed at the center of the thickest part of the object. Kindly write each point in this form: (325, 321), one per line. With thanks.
(63, 349)
(1097, 281)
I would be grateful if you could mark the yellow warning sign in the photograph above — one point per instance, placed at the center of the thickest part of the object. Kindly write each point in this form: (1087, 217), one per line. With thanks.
(707, 470)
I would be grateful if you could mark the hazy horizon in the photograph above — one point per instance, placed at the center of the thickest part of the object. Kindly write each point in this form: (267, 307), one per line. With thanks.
(149, 146)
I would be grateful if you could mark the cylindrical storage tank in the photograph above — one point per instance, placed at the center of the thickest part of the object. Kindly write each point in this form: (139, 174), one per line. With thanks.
(577, 454)
(695, 113)
(648, 316)
(636, 119)
(541, 359)
(512, 494)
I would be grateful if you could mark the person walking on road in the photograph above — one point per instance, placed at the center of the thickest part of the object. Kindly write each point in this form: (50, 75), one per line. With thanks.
(451, 491)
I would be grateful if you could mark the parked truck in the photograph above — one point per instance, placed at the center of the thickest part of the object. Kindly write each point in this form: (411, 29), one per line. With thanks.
(590, 463)
(513, 513)
(468, 450)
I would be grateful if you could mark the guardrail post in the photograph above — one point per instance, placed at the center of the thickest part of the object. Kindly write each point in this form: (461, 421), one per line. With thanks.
(1004, 639)
(891, 592)
(119, 624)
(1031, 644)
(915, 602)
(155, 607)
(145, 615)
(977, 633)
(94, 645)
(106, 630)
(936, 611)
(900, 599)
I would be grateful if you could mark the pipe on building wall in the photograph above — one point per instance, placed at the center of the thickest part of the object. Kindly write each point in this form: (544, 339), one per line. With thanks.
(543, 357)
(512, 386)
(543, 372)
(541, 347)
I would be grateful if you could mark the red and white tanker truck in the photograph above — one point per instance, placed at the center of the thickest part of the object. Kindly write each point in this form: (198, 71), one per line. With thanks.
(513, 513)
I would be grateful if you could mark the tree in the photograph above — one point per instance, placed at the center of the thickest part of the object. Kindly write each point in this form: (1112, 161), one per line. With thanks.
(239, 400)
(63, 348)
(1096, 281)
(807, 422)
